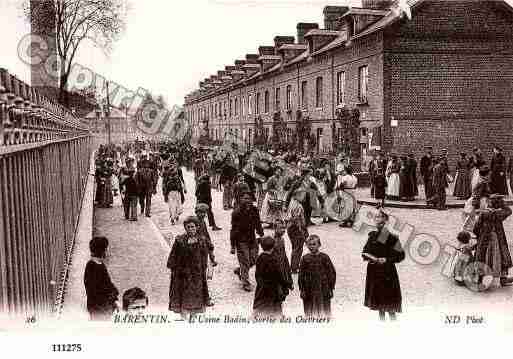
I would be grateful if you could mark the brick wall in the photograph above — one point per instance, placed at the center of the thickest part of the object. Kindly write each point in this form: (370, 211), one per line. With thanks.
(456, 135)
(449, 79)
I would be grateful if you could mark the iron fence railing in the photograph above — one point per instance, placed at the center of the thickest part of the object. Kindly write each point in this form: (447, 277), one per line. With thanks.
(44, 166)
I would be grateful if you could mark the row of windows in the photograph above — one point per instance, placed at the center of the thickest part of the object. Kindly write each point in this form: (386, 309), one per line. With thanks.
(231, 107)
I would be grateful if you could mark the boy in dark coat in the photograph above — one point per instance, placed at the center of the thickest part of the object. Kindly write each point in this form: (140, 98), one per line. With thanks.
(102, 295)
(279, 251)
(272, 285)
(316, 280)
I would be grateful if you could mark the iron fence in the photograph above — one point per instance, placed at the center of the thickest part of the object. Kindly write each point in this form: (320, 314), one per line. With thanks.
(44, 166)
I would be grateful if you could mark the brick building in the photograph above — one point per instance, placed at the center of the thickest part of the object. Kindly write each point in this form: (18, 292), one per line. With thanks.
(437, 73)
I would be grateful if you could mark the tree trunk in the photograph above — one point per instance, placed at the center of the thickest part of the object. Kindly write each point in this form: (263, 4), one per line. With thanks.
(63, 95)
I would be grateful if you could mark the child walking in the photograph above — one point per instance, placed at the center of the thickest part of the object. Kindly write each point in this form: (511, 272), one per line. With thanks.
(279, 251)
(272, 286)
(101, 294)
(316, 280)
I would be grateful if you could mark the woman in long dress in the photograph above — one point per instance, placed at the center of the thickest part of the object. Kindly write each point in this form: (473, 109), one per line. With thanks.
(492, 246)
(479, 199)
(188, 291)
(393, 180)
(477, 163)
(382, 287)
(462, 187)
(271, 208)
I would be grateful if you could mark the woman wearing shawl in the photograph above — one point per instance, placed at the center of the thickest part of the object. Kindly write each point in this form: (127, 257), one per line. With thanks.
(479, 200)
(188, 291)
(462, 188)
(272, 209)
(382, 288)
(492, 246)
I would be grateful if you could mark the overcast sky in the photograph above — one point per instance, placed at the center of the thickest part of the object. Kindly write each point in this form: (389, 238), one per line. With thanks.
(169, 46)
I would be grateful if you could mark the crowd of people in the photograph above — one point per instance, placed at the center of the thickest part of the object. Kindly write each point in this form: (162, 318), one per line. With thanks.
(396, 178)
(284, 191)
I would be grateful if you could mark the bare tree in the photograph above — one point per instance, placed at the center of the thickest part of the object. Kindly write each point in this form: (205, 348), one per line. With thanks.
(75, 22)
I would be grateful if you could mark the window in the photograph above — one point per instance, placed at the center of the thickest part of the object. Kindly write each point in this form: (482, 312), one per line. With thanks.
(266, 102)
(250, 97)
(243, 112)
(341, 87)
(250, 134)
(289, 97)
(230, 107)
(318, 92)
(267, 132)
(235, 106)
(363, 81)
(257, 104)
(303, 94)
(277, 105)
(215, 110)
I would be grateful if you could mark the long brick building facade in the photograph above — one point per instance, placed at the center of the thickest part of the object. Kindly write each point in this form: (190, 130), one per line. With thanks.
(438, 73)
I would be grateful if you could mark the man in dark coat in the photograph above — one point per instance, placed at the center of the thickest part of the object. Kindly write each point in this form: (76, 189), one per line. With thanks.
(147, 178)
(440, 184)
(228, 175)
(426, 171)
(412, 166)
(498, 181)
(204, 195)
(245, 222)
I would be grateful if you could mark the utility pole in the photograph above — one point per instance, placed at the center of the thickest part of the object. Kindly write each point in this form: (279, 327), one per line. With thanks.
(107, 113)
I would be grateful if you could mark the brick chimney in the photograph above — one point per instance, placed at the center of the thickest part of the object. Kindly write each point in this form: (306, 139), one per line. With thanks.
(332, 15)
(252, 58)
(302, 29)
(378, 4)
(282, 40)
(290, 51)
(252, 66)
(317, 38)
(267, 57)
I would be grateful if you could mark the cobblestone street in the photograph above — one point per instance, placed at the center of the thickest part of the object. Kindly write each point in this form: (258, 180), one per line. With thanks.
(139, 250)
(423, 286)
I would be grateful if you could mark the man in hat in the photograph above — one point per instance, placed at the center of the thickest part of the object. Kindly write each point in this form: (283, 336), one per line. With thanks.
(373, 169)
(245, 222)
(204, 195)
(498, 181)
(147, 178)
(228, 174)
(440, 184)
(426, 171)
